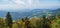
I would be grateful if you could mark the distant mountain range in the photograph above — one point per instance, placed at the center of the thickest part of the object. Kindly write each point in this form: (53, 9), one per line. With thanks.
(29, 13)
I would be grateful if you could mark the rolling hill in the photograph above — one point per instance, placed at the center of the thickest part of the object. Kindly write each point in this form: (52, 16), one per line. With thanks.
(29, 13)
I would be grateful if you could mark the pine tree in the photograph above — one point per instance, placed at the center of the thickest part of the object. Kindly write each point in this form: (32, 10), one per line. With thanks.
(23, 20)
(46, 22)
(26, 18)
(9, 20)
(27, 23)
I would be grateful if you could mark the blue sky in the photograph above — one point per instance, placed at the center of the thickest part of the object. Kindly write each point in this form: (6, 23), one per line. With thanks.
(28, 4)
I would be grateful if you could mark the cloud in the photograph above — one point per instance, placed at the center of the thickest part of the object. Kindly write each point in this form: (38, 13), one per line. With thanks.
(19, 2)
(27, 4)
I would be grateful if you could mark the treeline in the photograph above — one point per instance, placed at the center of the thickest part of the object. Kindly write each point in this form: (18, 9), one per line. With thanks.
(42, 22)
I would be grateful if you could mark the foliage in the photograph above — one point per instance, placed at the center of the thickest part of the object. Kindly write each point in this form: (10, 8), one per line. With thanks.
(41, 22)
(9, 20)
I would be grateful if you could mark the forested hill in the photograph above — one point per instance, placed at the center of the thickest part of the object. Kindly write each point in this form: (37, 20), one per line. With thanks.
(29, 13)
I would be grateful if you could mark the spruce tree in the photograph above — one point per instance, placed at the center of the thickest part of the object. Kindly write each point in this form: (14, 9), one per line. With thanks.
(9, 20)
(27, 23)
(46, 22)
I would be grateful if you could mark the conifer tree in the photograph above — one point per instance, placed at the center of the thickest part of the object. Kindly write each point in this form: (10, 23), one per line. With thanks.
(9, 20)
(27, 23)
(23, 20)
(46, 22)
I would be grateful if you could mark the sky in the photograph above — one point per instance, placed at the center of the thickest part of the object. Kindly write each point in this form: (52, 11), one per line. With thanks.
(28, 4)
